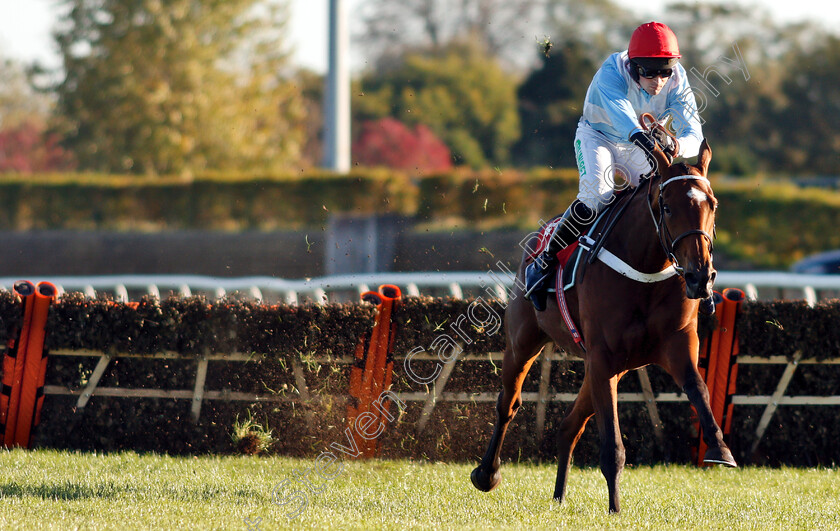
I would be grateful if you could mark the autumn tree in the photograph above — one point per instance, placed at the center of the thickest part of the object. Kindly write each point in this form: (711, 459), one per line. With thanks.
(177, 86)
(461, 94)
(26, 145)
(388, 142)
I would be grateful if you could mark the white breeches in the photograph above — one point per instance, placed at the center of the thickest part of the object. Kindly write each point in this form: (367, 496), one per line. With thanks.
(605, 166)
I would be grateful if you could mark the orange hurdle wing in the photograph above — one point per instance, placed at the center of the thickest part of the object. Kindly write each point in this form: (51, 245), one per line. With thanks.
(32, 372)
(26, 291)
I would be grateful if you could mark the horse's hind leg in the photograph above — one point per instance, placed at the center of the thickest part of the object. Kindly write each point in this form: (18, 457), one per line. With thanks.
(571, 428)
(518, 359)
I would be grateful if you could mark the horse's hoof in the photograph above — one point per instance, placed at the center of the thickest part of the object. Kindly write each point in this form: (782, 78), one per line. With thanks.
(719, 456)
(483, 481)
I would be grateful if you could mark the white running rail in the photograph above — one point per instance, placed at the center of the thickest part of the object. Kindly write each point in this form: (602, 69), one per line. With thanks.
(757, 285)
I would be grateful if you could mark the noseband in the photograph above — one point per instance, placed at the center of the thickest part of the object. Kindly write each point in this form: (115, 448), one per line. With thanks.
(669, 243)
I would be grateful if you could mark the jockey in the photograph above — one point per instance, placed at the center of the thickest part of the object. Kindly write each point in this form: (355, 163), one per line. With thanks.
(609, 142)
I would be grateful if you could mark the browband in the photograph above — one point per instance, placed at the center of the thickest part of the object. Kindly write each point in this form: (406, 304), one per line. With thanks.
(684, 178)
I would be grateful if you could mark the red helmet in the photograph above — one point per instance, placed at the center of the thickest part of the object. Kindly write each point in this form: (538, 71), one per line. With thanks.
(653, 39)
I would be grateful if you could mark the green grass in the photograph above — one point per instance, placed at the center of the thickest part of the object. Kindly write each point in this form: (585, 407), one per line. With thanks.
(58, 490)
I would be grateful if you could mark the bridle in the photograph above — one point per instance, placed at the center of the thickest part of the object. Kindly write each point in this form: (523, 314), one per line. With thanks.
(669, 243)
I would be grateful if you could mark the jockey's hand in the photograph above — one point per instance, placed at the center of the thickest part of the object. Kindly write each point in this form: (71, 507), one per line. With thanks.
(669, 144)
(647, 145)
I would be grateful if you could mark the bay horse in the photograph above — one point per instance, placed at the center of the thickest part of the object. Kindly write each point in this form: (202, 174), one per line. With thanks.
(625, 324)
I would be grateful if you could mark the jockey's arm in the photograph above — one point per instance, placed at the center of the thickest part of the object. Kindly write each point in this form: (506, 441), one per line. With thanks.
(685, 118)
(611, 95)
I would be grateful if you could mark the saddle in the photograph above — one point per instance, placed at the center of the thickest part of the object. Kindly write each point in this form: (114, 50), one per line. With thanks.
(575, 257)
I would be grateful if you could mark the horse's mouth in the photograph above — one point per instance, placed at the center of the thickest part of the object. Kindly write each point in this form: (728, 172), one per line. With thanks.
(699, 284)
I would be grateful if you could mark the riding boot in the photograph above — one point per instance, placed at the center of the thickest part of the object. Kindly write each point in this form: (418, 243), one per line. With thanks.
(573, 222)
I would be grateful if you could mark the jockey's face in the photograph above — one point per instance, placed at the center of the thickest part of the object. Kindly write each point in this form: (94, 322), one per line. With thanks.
(653, 86)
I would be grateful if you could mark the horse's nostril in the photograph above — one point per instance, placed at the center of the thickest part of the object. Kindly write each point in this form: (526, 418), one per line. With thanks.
(691, 279)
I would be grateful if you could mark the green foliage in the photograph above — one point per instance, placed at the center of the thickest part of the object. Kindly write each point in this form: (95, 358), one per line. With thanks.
(774, 225)
(463, 96)
(550, 104)
(211, 202)
(810, 119)
(758, 222)
(177, 87)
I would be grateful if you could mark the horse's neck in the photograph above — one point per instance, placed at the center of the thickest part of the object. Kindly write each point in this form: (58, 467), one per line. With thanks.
(635, 240)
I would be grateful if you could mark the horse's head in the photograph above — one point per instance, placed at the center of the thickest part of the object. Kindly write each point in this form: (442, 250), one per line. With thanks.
(684, 210)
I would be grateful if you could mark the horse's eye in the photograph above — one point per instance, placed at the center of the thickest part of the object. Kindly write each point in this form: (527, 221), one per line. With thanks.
(666, 209)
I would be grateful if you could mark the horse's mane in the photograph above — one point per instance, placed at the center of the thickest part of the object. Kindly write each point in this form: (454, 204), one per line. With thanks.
(683, 168)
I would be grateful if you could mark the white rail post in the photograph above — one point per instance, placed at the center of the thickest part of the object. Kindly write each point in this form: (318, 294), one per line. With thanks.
(93, 382)
(300, 380)
(545, 381)
(121, 293)
(256, 294)
(774, 400)
(437, 391)
(198, 390)
(650, 403)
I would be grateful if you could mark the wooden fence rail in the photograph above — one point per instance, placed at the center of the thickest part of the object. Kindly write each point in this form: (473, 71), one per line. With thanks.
(436, 392)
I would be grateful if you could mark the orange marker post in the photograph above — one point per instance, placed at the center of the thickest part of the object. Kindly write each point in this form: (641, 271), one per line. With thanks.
(361, 373)
(394, 293)
(733, 298)
(722, 367)
(33, 370)
(708, 350)
(13, 365)
(370, 356)
(389, 295)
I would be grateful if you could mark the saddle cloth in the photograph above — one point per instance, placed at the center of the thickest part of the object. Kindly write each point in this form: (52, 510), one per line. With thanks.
(545, 235)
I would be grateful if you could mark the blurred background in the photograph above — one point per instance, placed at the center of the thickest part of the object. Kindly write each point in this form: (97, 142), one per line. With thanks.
(187, 136)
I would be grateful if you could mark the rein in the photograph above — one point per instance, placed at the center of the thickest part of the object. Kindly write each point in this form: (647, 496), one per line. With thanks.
(662, 228)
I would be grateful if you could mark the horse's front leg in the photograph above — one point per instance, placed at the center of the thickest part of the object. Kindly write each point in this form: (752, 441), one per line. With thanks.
(698, 394)
(682, 366)
(571, 428)
(604, 400)
(517, 361)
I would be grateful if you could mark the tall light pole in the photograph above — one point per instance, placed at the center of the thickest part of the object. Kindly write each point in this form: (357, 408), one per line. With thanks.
(337, 93)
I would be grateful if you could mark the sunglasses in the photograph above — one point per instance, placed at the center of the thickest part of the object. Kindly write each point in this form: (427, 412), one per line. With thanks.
(652, 73)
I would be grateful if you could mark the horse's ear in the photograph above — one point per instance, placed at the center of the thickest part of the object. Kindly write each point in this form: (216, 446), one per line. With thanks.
(704, 158)
(661, 161)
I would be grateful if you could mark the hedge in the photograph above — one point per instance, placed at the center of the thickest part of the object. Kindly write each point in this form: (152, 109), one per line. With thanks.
(761, 223)
(457, 431)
